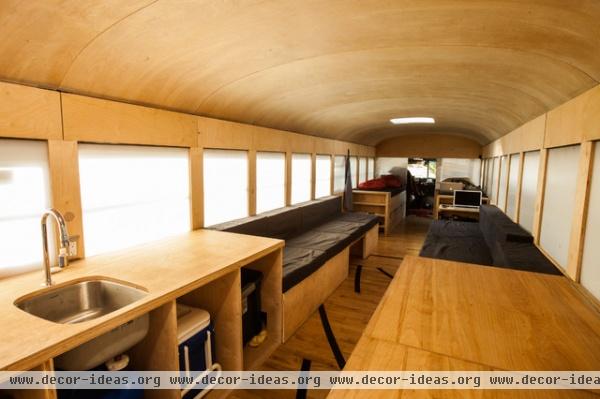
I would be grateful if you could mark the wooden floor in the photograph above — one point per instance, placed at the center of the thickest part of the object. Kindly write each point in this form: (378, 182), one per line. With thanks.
(348, 311)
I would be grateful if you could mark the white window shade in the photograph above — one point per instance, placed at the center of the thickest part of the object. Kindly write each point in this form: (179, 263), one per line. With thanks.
(339, 168)
(460, 167)
(225, 185)
(371, 169)
(24, 195)
(362, 170)
(270, 181)
(513, 181)
(503, 183)
(301, 177)
(531, 164)
(559, 202)
(323, 176)
(391, 166)
(495, 180)
(132, 195)
(353, 170)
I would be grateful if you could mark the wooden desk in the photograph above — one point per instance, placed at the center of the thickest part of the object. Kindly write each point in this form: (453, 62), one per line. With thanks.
(441, 315)
(443, 209)
(448, 200)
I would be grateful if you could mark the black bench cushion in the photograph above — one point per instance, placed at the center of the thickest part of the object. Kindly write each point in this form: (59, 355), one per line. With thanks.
(331, 243)
(336, 226)
(458, 249)
(497, 226)
(366, 220)
(319, 211)
(455, 229)
(299, 263)
(283, 223)
(494, 241)
(253, 225)
(314, 232)
(523, 256)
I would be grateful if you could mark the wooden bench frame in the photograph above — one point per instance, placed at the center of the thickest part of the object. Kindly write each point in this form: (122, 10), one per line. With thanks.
(303, 299)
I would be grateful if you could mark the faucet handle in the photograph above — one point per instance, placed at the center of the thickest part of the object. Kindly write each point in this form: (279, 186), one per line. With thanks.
(62, 258)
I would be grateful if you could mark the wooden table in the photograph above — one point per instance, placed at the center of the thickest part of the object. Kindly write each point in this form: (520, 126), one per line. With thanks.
(440, 315)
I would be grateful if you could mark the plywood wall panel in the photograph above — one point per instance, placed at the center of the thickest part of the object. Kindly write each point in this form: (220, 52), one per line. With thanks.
(429, 146)
(575, 120)
(215, 133)
(270, 140)
(102, 121)
(324, 146)
(531, 135)
(28, 112)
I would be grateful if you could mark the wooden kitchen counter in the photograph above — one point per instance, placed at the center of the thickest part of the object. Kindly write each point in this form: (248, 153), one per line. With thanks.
(448, 316)
(167, 269)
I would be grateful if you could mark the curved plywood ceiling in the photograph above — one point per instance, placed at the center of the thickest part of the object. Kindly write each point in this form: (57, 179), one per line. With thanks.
(335, 68)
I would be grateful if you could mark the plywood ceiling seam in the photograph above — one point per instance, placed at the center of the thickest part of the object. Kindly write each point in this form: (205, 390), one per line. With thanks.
(98, 35)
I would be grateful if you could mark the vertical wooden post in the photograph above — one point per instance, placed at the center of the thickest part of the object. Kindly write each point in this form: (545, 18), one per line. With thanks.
(252, 182)
(539, 201)
(507, 184)
(158, 350)
(497, 195)
(63, 161)
(196, 188)
(288, 178)
(313, 175)
(332, 174)
(580, 212)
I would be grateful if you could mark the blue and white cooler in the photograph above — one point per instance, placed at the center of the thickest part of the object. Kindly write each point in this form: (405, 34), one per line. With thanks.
(195, 336)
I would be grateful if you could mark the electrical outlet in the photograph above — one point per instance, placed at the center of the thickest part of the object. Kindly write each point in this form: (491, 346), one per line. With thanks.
(72, 248)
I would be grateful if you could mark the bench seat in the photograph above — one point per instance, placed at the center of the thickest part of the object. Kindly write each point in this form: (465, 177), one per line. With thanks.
(314, 232)
(494, 241)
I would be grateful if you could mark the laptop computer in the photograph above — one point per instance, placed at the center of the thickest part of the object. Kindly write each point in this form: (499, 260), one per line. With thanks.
(467, 199)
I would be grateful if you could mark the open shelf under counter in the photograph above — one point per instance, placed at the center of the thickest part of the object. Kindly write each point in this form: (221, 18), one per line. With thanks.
(271, 299)
(158, 350)
(48, 393)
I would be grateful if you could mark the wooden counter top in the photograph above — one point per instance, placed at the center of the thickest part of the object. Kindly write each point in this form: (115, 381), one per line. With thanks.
(440, 315)
(167, 269)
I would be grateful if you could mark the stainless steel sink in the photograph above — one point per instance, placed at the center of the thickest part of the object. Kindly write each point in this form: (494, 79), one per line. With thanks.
(80, 301)
(86, 300)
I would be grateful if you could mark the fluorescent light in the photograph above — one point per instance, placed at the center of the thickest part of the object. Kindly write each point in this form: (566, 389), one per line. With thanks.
(405, 121)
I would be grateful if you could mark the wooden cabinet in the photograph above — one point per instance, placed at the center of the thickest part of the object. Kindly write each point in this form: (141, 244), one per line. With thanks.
(390, 209)
(222, 298)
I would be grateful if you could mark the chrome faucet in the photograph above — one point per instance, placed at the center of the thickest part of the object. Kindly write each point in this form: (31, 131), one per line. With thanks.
(63, 251)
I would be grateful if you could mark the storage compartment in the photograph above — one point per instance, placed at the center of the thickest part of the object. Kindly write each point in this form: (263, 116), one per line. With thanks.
(270, 267)
(252, 315)
(100, 349)
(100, 393)
(195, 336)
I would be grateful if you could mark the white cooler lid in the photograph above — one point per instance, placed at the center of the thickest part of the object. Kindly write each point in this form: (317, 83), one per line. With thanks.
(190, 321)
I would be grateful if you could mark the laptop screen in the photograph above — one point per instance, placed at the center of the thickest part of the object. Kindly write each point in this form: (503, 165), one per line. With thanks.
(467, 198)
